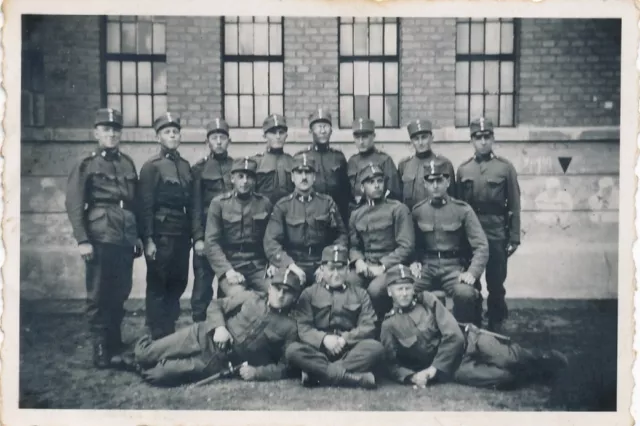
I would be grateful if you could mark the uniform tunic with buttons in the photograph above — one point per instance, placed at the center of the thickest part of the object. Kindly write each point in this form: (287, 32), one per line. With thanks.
(411, 171)
(273, 176)
(360, 160)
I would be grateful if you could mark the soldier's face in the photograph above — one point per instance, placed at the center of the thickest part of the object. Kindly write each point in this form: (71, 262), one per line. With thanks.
(422, 142)
(243, 182)
(169, 137)
(218, 142)
(374, 188)
(482, 142)
(281, 296)
(334, 274)
(107, 136)
(276, 137)
(437, 186)
(321, 132)
(401, 294)
(303, 180)
(364, 141)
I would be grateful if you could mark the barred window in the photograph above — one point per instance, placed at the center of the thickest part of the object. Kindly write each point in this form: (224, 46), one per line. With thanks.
(369, 57)
(485, 71)
(32, 90)
(135, 75)
(253, 72)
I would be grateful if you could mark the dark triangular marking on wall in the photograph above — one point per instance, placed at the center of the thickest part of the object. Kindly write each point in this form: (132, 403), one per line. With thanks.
(564, 163)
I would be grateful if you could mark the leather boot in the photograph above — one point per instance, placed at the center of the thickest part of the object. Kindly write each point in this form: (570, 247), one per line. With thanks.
(359, 380)
(309, 381)
(100, 355)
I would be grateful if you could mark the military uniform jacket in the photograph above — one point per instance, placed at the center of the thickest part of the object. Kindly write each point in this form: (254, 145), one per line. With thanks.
(381, 159)
(345, 311)
(100, 199)
(381, 232)
(412, 170)
(235, 230)
(211, 177)
(260, 333)
(450, 227)
(165, 196)
(331, 176)
(423, 334)
(273, 175)
(491, 188)
(300, 227)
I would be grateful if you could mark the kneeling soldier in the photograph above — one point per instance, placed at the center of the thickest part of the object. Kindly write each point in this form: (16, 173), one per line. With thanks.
(424, 343)
(256, 337)
(336, 327)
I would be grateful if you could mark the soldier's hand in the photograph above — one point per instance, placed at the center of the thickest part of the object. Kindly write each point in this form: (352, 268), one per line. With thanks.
(430, 373)
(86, 251)
(376, 270)
(234, 277)
(330, 342)
(248, 372)
(419, 379)
(198, 248)
(416, 269)
(221, 337)
(271, 271)
(361, 267)
(341, 344)
(150, 250)
(153, 375)
(299, 272)
(511, 248)
(467, 278)
(138, 249)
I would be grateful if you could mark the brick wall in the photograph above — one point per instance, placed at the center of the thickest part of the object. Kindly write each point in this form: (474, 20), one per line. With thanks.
(568, 70)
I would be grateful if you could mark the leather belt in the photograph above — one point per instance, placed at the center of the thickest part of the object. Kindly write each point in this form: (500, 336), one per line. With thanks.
(448, 254)
(489, 208)
(123, 204)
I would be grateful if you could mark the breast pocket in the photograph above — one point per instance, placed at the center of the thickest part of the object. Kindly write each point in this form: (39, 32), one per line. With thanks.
(104, 185)
(321, 313)
(97, 223)
(211, 188)
(130, 180)
(407, 342)
(259, 225)
(496, 189)
(321, 228)
(296, 230)
(380, 233)
(466, 189)
(353, 311)
(233, 227)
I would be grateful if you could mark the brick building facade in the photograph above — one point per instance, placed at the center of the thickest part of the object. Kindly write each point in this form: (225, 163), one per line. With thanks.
(563, 136)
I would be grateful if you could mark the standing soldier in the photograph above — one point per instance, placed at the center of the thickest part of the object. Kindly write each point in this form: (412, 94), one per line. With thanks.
(336, 329)
(274, 167)
(99, 202)
(380, 236)
(165, 191)
(411, 169)
(444, 227)
(303, 224)
(235, 229)
(331, 173)
(211, 177)
(490, 185)
(364, 135)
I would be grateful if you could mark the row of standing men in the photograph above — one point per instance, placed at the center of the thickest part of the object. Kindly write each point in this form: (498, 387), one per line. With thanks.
(296, 203)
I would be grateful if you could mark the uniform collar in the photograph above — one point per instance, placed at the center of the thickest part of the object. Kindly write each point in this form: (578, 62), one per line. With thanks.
(399, 310)
(439, 202)
(219, 157)
(368, 152)
(110, 153)
(426, 154)
(330, 289)
(243, 197)
(485, 157)
(321, 147)
(171, 154)
(374, 202)
(304, 198)
(276, 151)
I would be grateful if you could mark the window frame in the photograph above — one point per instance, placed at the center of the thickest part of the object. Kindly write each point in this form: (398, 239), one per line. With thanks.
(32, 55)
(382, 59)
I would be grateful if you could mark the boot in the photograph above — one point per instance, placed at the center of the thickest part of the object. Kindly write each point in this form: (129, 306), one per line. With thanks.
(309, 381)
(100, 355)
(114, 342)
(359, 380)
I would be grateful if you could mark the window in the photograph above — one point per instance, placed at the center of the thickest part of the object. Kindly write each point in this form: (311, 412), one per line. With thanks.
(135, 60)
(368, 59)
(485, 71)
(32, 91)
(253, 73)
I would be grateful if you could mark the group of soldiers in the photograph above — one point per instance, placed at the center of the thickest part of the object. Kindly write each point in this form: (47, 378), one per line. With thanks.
(333, 269)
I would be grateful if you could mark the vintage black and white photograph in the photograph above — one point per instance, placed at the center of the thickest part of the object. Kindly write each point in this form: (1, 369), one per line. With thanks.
(361, 212)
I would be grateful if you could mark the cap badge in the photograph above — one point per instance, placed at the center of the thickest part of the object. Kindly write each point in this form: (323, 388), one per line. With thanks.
(402, 273)
(432, 165)
(373, 170)
(217, 123)
(110, 111)
(246, 163)
(481, 123)
(275, 120)
(419, 126)
(169, 117)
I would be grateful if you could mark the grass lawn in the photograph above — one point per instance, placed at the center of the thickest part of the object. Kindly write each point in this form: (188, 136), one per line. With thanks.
(56, 370)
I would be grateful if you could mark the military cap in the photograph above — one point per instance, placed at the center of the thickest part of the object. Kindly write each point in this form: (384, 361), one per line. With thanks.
(369, 171)
(284, 277)
(481, 125)
(418, 126)
(165, 120)
(219, 125)
(399, 274)
(274, 121)
(435, 168)
(303, 161)
(108, 116)
(320, 115)
(363, 125)
(245, 164)
(335, 254)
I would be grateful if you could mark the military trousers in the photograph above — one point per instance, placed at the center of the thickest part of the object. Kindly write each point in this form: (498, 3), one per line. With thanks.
(495, 276)
(364, 356)
(254, 273)
(108, 282)
(167, 277)
(377, 289)
(444, 274)
(202, 292)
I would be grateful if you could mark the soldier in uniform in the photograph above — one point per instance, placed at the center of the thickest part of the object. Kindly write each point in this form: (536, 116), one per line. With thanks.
(424, 344)
(248, 329)
(303, 224)
(101, 193)
(490, 185)
(380, 236)
(331, 164)
(336, 329)
(364, 135)
(444, 228)
(235, 229)
(165, 192)
(274, 166)
(411, 168)
(211, 177)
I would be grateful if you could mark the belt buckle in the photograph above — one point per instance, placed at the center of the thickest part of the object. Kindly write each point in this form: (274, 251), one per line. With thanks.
(121, 204)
